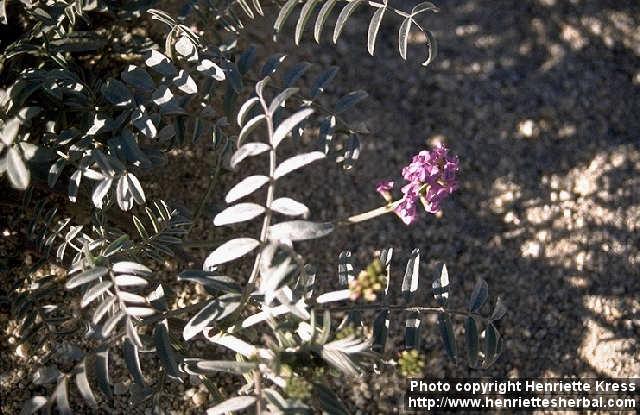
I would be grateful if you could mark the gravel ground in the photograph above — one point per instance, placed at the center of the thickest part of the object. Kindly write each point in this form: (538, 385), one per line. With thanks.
(540, 100)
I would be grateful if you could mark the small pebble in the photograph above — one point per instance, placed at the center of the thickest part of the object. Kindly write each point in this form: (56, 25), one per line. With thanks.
(200, 398)
(22, 351)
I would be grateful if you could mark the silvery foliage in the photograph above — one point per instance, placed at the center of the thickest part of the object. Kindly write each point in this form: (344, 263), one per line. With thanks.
(106, 132)
(97, 138)
(282, 288)
(348, 7)
(119, 295)
(53, 114)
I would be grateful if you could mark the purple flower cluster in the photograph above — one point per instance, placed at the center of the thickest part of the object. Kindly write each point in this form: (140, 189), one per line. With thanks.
(431, 177)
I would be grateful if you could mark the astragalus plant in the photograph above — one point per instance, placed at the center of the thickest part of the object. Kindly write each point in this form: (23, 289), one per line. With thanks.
(93, 102)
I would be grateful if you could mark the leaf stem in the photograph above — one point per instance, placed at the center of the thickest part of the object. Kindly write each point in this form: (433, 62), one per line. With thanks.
(251, 282)
(403, 307)
(317, 105)
(173, 313)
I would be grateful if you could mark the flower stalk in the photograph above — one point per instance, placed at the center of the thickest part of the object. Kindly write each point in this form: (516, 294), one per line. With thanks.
(361, 217)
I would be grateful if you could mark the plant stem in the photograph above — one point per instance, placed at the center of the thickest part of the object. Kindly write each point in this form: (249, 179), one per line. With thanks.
(258, 390)
(116, 291)
(201, 244)
(251, 282)
(361, 217)
(403, 307)
(172, 313)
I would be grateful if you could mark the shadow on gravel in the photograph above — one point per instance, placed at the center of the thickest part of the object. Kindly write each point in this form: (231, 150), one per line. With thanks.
(540, 99)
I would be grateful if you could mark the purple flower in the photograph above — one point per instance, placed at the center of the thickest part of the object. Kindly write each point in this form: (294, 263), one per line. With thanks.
(449, 171)
(384, 188)
(434, 197)
(431, 178)
(406, 209)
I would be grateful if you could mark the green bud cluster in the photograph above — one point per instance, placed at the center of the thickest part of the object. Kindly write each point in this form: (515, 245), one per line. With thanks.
(298, 388)
(412, 364)
(370, 281)
(350, 331)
